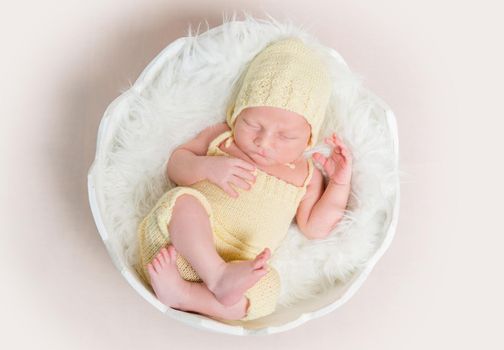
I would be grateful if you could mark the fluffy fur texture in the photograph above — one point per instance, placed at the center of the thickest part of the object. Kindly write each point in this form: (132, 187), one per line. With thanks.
(191, 92)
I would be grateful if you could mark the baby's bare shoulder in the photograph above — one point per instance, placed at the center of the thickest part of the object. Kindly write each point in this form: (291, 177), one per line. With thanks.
(199, 145)
(214, 130)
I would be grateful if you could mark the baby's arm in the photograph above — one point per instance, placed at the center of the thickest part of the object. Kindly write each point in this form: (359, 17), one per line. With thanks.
(321, 209)
(187, 163)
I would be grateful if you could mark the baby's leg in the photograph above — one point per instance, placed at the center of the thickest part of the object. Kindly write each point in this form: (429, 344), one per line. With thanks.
(180, 294)
(191, 234)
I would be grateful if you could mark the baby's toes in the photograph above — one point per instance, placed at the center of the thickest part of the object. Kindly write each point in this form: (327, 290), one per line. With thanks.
(155, 263)
(172, 253)
(260, 261)
(164, 253)
(266, 253)
(260, 272)
(160, 258)
(151, 269)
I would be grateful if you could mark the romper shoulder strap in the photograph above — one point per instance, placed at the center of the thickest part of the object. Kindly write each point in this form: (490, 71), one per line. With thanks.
(213, 146)
(310, 171)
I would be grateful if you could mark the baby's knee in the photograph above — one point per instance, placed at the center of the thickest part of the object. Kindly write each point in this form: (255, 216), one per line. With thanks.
(187, 200)
(188, 205)
(188, 214)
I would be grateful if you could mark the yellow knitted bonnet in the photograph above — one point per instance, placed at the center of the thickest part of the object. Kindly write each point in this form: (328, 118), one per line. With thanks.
(288, 75)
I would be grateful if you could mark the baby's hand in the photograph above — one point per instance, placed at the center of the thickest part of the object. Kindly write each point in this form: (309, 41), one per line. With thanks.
(224, 171)
(338, 166)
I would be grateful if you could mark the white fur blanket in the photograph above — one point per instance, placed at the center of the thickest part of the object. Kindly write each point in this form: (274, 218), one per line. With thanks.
(190, 92)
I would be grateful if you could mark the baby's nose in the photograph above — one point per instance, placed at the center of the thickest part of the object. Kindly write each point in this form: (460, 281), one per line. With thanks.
(263, 143)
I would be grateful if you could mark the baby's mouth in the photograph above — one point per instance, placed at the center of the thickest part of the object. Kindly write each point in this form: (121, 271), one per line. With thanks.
(259, 155)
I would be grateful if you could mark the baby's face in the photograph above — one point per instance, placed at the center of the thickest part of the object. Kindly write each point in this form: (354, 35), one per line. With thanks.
(271, 135)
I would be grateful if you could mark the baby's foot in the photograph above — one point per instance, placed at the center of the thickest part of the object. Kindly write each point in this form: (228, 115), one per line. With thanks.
(236, 311)
(170, 288)
(236, 277)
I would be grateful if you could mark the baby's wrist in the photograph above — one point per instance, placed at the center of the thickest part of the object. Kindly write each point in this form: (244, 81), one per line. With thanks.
(203, 165)
(343, 183)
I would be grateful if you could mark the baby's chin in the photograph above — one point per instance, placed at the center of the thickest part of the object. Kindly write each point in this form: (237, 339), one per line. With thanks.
(257, 158)
(265, 161)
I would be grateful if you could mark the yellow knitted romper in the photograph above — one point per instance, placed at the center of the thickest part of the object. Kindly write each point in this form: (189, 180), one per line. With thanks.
(242, 226)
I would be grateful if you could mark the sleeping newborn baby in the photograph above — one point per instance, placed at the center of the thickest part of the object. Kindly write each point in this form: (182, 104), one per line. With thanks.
(205, 245)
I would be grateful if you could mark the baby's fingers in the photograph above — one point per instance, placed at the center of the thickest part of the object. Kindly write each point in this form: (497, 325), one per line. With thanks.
(240, 182)
(229, 190)
(337, 141)
(319, 158)
(247, 175)
(330, 141)
(346, 154)
(244, 164)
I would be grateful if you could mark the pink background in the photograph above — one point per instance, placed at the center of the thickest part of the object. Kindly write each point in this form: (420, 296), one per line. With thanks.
(436, 63)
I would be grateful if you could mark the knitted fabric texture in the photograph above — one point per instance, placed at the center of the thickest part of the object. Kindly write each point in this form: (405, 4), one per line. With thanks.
(289, 75)
(242, 226)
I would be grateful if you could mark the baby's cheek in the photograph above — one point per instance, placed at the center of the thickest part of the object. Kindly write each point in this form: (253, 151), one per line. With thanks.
(286, 153)
(243, 135)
